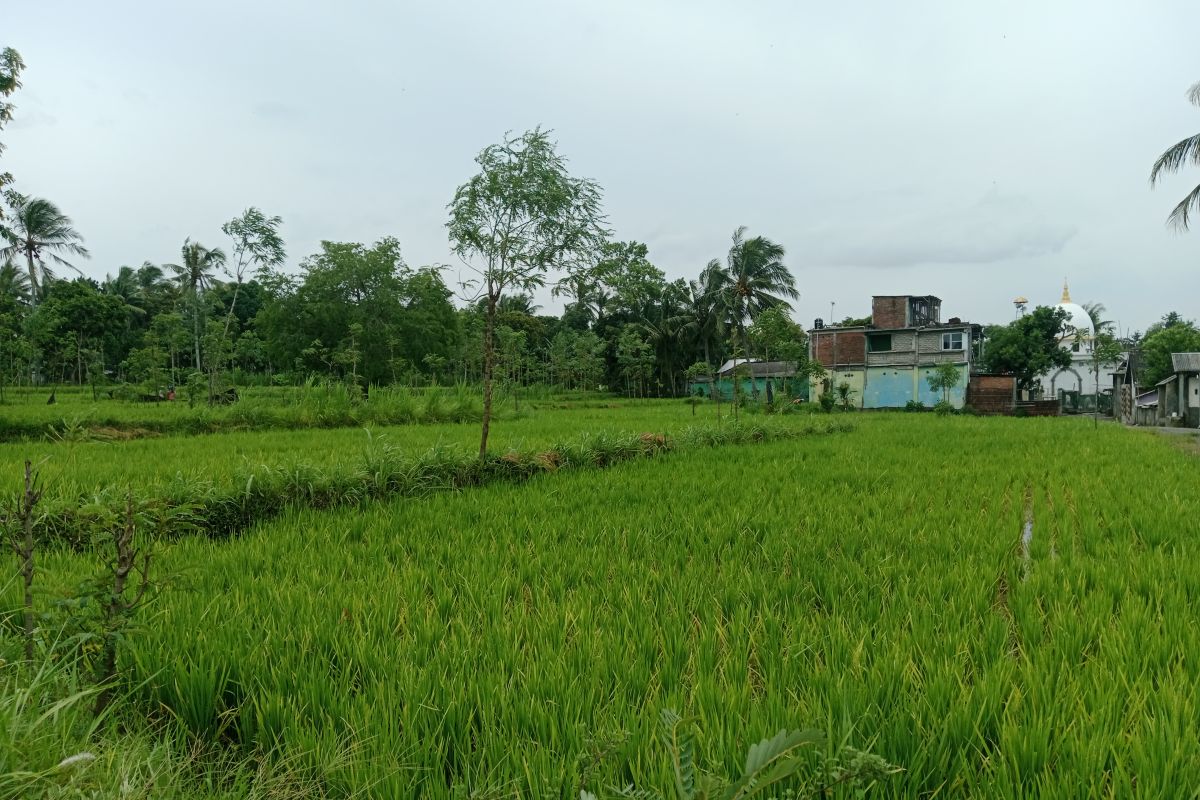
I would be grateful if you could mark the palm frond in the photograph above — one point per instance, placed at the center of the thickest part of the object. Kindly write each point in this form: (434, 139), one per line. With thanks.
(1180, 217)
(1178, 154)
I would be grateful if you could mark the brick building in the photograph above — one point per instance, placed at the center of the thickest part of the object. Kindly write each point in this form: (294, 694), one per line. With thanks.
(888, 362)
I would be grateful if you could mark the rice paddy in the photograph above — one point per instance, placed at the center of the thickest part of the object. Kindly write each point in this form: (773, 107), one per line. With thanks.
(521, 640)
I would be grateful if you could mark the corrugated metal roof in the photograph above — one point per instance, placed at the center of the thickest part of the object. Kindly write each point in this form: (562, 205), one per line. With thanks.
(1185, 362)
(762, 369)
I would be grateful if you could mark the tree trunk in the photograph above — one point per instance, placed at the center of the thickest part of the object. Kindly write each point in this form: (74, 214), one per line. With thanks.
(34, 289)
(196, 329)
(489, 363)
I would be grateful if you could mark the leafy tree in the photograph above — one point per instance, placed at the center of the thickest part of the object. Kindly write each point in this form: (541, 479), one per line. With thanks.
(944, 378)
(169, 332)
(38, 231)
(1028, 347)
(1173, 335)
(753, 279)
(14, 287)
(255, 243)
(636, 359)
(403, 314)
(519, 217)
(855, 322)
(588, 360)
(1176, 156)
(194, 275)
(774, 329)
(10, 80)
(73, 323)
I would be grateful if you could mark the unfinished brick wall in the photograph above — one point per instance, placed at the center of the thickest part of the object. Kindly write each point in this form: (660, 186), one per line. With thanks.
(889, 311)
(991, 394)
(851, 347)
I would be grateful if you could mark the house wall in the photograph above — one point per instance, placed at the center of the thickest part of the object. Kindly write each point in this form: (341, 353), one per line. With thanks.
(888, 387)
(889, 311)
(850, 347)
(929, 343)
(903, 352)
(854, 377)
(895, 386)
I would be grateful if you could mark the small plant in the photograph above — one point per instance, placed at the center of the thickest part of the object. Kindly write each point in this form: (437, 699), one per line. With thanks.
(944, 378)
(796, 762)
(845, 396)
(944, 408)
(19, 524)
(914, 405)
(827, 402)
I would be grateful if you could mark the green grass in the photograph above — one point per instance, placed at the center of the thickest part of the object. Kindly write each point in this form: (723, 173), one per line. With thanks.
(76, 415)
(51, 746)
(874, 585)
(72, 469)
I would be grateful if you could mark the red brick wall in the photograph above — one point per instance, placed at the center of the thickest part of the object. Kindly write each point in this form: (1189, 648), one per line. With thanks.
(991, 394)
(851, 347)
(1005, 382)
(889, 312)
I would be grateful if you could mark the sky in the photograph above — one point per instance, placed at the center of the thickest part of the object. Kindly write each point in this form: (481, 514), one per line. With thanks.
(974, 151)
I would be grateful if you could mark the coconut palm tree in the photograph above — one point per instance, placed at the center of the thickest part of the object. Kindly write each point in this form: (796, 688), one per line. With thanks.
(705, 310)
(39, 231)
(193, 277)
(753, 279)
(518, 303)
(1097, 311)
(1183, 152)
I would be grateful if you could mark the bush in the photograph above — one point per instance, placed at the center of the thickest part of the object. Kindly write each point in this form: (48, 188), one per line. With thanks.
(944, 408)
(914, 405)
(827, 402)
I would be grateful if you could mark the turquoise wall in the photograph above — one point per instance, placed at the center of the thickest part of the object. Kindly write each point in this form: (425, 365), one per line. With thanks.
(788, 388)
(894, 387)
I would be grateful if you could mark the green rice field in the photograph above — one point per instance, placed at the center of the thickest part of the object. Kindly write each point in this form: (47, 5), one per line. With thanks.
(521, 640)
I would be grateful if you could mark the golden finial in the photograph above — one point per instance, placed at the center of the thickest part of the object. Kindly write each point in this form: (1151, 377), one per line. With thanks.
(1066, 298)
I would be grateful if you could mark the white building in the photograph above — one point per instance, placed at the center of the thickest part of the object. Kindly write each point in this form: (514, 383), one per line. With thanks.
(1078, 336)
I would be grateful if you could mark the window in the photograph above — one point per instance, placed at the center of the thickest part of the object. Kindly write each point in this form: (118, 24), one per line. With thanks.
(952, 341)
(879, 343)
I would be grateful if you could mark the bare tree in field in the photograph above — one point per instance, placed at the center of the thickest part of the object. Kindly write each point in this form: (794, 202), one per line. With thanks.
(520, 217)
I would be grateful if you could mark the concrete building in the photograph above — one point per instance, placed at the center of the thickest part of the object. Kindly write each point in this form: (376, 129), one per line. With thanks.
(1179, 394)
(888, 363)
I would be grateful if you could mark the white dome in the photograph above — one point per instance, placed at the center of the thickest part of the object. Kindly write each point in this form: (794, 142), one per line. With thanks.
(1079, 318)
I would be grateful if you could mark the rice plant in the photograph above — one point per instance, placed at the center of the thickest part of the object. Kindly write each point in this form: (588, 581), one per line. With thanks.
(519, 639)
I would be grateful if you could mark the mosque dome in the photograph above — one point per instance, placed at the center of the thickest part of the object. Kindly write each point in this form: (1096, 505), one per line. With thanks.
(1078, 318)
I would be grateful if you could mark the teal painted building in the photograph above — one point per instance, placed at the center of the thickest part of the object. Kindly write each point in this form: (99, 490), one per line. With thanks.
(780, 375)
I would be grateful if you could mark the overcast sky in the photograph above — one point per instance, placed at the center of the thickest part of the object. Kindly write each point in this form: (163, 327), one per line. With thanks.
(976, 151)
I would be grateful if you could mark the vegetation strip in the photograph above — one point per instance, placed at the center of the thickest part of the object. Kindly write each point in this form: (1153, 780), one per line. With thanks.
(203, 507)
